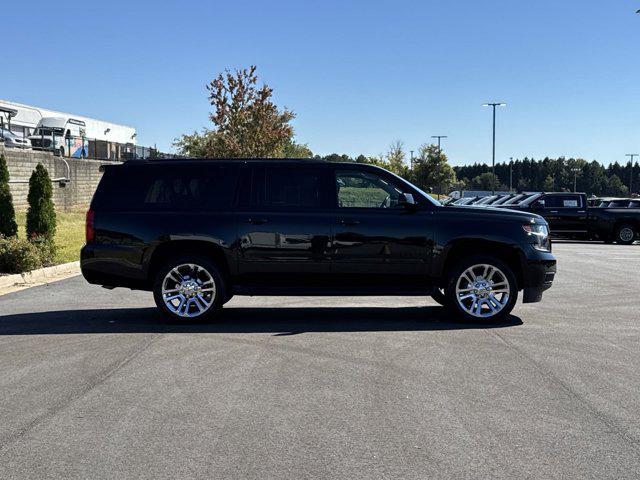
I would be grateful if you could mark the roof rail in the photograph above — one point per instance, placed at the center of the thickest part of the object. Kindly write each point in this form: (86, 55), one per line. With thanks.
(227, 159)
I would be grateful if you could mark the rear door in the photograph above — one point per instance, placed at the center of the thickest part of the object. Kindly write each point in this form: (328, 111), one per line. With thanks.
(284, 223)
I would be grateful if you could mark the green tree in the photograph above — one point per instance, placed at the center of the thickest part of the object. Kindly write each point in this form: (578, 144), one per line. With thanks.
(395, 159)
(549, 184)
(334, 157)
(41, 214)
(8, 226)
(431, 170)
(616, 187)
(485, 181)
(246, 122)
(292, 149)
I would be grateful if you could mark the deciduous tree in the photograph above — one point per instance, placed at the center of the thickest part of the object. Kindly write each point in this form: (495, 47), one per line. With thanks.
(431, 170)
(246, 121)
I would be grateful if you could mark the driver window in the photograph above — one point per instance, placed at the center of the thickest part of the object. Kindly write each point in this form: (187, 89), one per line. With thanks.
(365, 190)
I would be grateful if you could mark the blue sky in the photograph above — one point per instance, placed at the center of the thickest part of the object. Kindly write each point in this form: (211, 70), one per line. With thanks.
(358, 74)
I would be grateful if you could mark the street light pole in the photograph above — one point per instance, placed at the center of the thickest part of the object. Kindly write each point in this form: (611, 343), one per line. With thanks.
(510, 174)
(439, 137)
(575, 171)
(493, 151)
(411, 161)
(631, 156)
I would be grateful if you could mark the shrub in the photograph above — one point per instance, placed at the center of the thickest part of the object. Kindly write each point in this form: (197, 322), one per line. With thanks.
(18, 255)
(41, 214)
(8, 226)
(4, 170)
(46, 250)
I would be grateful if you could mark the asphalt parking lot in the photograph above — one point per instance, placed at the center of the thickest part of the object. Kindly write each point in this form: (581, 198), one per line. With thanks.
(94, 385)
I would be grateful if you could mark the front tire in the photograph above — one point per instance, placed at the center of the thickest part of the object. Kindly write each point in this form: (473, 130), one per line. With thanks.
(481, 288)
(625, 234)
(189, 288)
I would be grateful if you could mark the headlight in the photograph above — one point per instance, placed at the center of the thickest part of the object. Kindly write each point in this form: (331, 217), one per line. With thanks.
(539, 235)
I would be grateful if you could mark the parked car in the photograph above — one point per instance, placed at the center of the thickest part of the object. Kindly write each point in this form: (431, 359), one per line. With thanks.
(520, 197)
(465, 201)
(502, 199)
(569, 216)
(198, 232)
(485, 200)
(12, 140)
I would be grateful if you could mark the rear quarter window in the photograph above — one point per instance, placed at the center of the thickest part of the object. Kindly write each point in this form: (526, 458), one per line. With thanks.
(167, 188)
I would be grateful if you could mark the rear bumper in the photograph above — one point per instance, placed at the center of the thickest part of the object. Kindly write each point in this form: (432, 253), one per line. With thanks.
(110, 267)
(539, 270)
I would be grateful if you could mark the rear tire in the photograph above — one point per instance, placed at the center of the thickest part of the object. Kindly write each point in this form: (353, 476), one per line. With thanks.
(439, 296)
(626, 234)
(189, 288)
(481, 288)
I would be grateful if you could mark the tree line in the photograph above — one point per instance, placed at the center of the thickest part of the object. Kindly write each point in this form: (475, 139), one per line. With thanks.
(554, 174)
(247, 123)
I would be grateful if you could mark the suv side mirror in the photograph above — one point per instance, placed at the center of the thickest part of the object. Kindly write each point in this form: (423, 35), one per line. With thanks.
(406, 200)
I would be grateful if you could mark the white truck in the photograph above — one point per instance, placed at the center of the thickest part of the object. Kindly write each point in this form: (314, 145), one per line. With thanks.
(80, 136)
(63, 136)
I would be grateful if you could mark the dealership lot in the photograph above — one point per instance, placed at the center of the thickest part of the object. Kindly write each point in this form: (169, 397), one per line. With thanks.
(94, 385)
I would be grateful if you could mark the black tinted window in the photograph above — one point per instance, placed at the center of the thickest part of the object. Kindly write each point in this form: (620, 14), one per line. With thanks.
(188, 187)
(561, 201)
(283, 187)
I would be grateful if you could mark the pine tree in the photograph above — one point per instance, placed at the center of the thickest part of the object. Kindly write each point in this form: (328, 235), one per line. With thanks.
(41, 215)
(8, 226)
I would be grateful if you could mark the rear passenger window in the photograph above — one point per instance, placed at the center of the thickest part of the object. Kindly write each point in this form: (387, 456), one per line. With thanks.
(167, 188)
(293, 187)
(283, 187)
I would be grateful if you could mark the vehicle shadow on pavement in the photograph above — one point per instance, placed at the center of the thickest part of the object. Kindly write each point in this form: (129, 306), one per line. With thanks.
(279, 321)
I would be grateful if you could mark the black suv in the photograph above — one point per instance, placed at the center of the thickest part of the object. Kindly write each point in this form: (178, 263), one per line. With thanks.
(197, 232)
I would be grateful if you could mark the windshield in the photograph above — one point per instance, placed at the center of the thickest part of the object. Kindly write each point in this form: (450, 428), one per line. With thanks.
(424, 194)
(531, 199)
(515, 199)
(48, 131)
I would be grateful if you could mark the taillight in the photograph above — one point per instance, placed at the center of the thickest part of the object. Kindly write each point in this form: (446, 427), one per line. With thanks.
(90, 232)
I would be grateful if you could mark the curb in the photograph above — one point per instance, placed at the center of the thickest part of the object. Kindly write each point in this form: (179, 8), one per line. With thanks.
(41, 275)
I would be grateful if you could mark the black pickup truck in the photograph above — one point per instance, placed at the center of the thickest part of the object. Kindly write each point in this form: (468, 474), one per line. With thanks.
(569, 215)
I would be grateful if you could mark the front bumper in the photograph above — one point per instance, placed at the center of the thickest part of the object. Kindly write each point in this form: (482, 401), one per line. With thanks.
(539, 270)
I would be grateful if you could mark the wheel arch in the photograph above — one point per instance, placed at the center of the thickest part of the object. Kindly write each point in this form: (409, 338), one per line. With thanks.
(511, 255)
(634, 222)
(173, 248)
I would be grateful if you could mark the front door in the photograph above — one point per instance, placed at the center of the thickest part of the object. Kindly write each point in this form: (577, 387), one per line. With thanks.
(565, 213)
(375, 238)
(284, 224)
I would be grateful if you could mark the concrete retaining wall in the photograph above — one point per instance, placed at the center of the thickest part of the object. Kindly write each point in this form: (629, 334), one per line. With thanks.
(77, 193)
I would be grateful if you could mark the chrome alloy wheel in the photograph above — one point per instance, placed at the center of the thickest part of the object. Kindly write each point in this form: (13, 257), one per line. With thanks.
(626, 234)
(482, 290)
(188, 290)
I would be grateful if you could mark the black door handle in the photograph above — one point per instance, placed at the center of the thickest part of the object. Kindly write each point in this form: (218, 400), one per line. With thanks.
(348, 222)
(258, 221)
